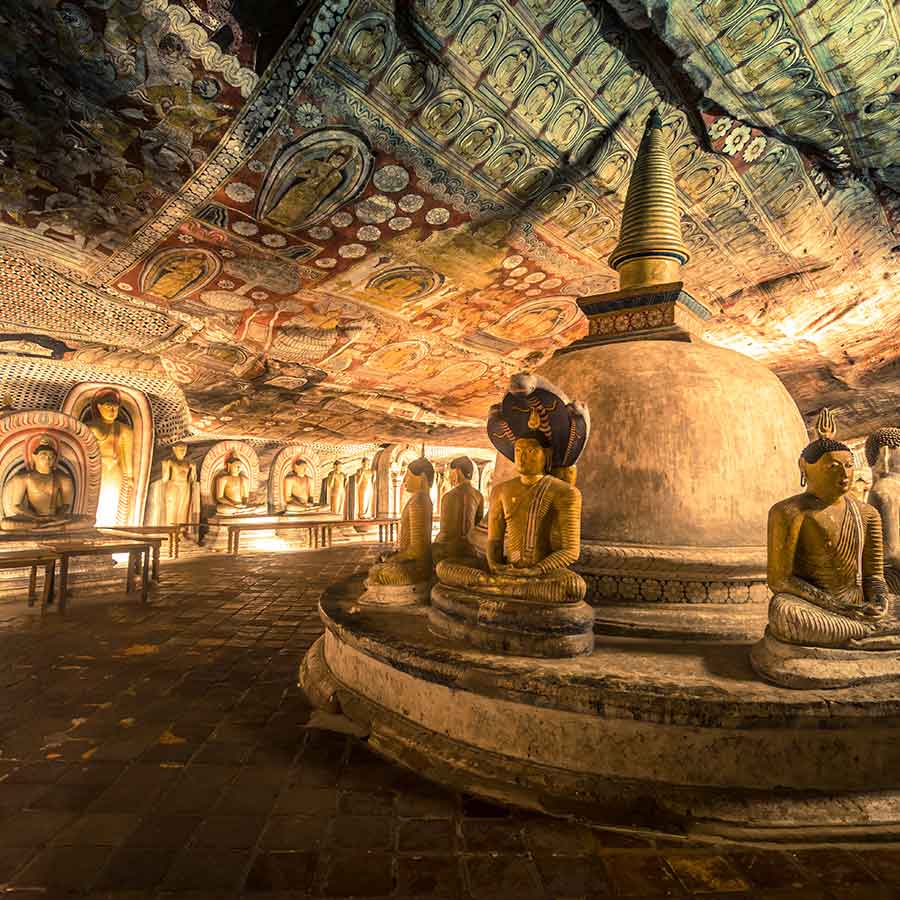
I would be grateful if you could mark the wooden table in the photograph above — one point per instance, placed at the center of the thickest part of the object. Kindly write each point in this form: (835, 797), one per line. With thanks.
(31, 559)
(154, 541)
(321, 531)
(172, 532)
(135, 548)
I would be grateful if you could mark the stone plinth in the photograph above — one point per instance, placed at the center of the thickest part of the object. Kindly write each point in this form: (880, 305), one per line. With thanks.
(822, 668)
(395, 594)
(671, 735)
(506, 625)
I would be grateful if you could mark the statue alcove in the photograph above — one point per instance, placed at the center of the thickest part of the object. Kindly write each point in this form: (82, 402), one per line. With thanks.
(135, 412)
(79, 454)
(214, 465)
(390, 467)
(281, 467)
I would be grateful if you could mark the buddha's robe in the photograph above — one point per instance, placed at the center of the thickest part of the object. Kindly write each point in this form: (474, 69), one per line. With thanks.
(462, 508)
(540, 527)
(847, 566)
(411, 564)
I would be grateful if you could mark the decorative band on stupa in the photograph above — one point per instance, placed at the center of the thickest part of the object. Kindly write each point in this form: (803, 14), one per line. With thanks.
(651, 301)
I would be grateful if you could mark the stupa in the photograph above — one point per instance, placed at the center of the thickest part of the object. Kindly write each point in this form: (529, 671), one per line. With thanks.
(690, 446)
(692, 443)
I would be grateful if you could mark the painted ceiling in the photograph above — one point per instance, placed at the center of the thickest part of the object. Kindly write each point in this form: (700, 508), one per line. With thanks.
(353, 220)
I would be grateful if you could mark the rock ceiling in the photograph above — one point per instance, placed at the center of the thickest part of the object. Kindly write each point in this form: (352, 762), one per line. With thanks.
(357, 223)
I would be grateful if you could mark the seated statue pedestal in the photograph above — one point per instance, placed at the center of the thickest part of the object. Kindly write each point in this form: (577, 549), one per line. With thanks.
(512, 625)
(823, 668)
(395, 594)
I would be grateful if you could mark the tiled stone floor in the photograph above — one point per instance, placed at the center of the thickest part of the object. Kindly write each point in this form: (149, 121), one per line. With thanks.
(160, 751)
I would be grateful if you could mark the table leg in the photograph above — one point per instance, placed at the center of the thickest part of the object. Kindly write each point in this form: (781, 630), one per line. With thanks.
(237, 539)
(177, 541)
(330, 536)
(63, 589)
(155, 572)
(32, 585)
(145, 574)
(131, 572)
(47, 586)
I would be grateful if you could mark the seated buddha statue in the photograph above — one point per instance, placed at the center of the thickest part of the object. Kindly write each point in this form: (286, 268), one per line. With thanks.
(232, 490)
(41, 496)
(524, 598)
(883, 456)
(297, 490)
(462, 508)
(826, 558)
(405, 575)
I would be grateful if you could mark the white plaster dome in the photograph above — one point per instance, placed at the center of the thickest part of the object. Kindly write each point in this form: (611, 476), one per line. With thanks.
(690, 443)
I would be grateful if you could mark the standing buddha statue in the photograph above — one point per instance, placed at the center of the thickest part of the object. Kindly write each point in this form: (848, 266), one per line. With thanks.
(831, 606)
(336, 488)
(405, 576)
(116, 440)
(524, 598)
(178, 477)
(365, 491)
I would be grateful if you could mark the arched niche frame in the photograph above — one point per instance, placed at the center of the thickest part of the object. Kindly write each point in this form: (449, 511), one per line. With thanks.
(214, 464)
(79, 453)
(137, 409)
(390, 467)
(281, 468)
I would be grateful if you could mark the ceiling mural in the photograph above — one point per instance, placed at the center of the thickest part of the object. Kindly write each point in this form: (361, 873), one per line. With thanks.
(356, 220)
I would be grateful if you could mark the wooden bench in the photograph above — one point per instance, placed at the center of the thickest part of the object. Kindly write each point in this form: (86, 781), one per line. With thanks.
(32, 559)
(136, 548)
(171, 532)
(321, 531)
(155, 542)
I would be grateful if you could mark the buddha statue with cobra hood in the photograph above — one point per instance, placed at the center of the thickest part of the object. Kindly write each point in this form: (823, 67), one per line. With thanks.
(524, 599)
(826, 573)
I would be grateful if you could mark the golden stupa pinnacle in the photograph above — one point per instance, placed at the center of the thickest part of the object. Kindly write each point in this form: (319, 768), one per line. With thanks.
(650, 249)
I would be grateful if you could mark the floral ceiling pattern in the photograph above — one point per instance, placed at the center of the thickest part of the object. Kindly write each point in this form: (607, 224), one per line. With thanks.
(346, 220)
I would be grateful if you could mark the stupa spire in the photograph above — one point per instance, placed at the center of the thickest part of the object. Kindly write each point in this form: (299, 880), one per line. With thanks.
(650, 249)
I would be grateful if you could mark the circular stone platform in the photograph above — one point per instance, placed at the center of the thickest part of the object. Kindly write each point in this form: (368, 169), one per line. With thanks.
(674, 736)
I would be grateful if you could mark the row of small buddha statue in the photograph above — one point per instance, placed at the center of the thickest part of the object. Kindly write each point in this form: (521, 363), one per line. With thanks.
(522, 597)
(232, 490)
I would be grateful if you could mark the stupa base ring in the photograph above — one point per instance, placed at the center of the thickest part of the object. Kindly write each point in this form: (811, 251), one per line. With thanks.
(683, 739)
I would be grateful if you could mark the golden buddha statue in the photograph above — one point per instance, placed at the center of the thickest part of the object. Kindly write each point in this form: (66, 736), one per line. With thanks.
(297, 490)
(405, 576)
(336, 489)
(232, 490)
(524, 598)
(41, 497)
(116, 440)
(365, 491)
(883, 456)
(462, 508)
(826, 558)
(178, 477)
